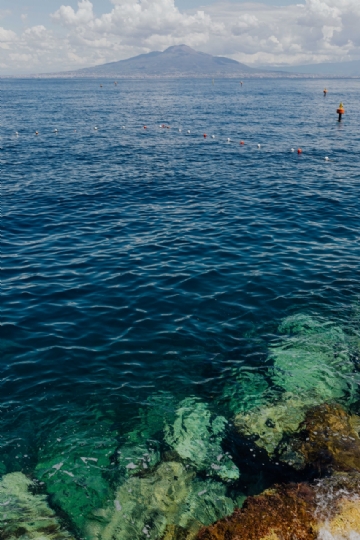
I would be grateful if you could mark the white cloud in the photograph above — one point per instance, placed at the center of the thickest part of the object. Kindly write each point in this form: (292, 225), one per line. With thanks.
(315, 31)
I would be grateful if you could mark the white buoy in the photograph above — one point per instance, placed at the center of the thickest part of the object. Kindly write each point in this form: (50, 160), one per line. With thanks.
(179, 130)
(16, 133)
(160, 126)
(293, 149)
(326, 158)
(229, 140)
(259, 145)
(123, 127)
(213, 136)
(95, 128)
(188, 131)
(55, 130)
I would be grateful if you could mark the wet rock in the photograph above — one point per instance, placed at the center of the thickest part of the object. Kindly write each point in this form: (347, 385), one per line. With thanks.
(196, 436)
(24, 516)
(277, 513)
(328, 440)
(327, 510)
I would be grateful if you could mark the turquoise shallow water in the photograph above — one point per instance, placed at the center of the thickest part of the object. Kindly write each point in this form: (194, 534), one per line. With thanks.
(142, 268)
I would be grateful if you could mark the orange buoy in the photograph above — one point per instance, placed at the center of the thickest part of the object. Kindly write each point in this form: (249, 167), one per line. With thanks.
(36, 133)
(242, 143)
(325, 91)
(205, 135)
(340, 111)
(145, 127)
(299, 151)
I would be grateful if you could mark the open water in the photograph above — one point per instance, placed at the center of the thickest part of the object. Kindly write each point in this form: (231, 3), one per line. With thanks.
(143, 266)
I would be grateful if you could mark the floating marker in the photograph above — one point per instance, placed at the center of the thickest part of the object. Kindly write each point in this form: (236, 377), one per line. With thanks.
(340, 111)
(16, 133)
(293, 149)
(325, 92)
(179, 130)
(145, 127)
(229, 140)
(123, 127)
(55, 130)
(259, 145)
(326, 158)
(242, 143)
(188, 130)
(299, 151)
(95, 128)
(213, 136)
(205, 135)
(36, 133)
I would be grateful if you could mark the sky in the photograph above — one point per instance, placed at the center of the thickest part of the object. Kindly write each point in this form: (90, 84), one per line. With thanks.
(39, 36)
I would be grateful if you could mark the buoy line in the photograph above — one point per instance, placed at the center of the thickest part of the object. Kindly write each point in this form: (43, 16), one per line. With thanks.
(299, 151)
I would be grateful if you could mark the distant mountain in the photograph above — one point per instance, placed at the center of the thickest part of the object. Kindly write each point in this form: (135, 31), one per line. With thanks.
(176, 61)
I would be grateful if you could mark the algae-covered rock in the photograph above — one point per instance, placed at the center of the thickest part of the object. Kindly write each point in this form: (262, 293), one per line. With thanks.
(285, 512)
(196, 437)
(328, 440)
(167, 500)
(72, 464)
(328, 510)
(140, 447)
(24, 516)
(244, 390)
(313, 356)
(268, 425)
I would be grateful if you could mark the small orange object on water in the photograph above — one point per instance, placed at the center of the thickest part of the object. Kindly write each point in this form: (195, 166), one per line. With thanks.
(299, 151)
(325, 91)
(145, 127)
(205, 135)
(36, 133)
(242, 143)
(340, 111)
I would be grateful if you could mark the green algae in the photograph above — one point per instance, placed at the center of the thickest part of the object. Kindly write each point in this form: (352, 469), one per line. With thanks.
(25, 516)
(74, 464)
(196, 437)
(168, 497)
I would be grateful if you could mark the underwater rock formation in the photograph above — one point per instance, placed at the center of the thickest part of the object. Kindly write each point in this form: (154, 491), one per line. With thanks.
(329, 440)
(166, 501)
(277, 513)
(314, 356)
(196, 437)
(26, 516)
(267, 425)
(72, 463)
(245, 390)
(328, 510)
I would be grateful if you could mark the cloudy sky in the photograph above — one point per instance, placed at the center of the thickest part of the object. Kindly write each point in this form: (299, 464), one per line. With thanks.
(53, 35)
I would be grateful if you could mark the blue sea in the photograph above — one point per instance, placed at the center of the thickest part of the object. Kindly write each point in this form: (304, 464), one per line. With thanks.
(144, 269)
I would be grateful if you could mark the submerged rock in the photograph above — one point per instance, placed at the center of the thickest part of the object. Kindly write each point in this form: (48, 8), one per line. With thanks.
(245, 390)
(329, 510)
(314, 356)
(168, 500)
(24, 516)
(196, 437)
(268, 425)
(72, 464)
